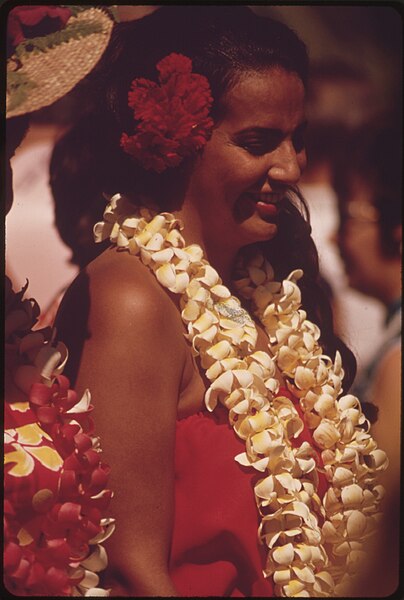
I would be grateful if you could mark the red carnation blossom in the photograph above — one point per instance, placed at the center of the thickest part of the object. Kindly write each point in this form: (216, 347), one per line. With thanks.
(173, 116)
(31, 16)
(173, 64)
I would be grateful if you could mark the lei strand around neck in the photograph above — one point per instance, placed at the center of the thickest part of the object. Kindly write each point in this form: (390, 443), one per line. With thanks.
(314, 546)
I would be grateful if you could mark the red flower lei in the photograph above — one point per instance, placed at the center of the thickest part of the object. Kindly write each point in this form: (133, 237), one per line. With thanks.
(173, 116)
(55, 482)
(65, 514)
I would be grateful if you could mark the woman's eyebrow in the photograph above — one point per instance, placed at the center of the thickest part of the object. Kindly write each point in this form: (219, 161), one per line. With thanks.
(259, 130)
(271, 130)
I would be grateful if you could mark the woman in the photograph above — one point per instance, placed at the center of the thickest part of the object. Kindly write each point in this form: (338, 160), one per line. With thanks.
(218, 141)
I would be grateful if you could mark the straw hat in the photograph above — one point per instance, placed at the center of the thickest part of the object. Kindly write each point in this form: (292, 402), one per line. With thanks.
(43, 69)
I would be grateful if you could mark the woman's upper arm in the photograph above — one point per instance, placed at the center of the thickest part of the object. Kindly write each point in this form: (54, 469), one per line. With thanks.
(132, 363)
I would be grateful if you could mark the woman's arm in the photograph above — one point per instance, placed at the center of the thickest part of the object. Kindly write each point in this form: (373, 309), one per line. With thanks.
(132, 362)
(384, 555)
(386, 394)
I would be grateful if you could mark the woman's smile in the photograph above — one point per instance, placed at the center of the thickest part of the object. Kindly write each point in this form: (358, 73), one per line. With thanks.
(265, 205)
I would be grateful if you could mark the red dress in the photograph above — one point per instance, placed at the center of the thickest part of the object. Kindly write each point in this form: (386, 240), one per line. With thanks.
(215, 548)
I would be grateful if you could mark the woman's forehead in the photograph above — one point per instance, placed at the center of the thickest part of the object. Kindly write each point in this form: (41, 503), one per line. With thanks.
(264, 98)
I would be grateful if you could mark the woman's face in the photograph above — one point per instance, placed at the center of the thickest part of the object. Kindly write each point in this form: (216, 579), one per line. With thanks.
(255, 153)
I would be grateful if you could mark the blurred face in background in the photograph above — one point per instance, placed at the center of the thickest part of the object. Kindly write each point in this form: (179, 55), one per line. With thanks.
(358, 238)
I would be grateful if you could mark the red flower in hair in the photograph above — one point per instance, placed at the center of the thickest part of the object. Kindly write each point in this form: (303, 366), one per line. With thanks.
(32, 16)
(173, 117)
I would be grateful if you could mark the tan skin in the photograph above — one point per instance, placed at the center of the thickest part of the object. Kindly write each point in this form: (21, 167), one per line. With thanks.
(135, 359)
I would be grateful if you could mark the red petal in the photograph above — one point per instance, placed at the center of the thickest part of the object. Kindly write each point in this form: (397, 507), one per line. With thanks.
(22, 572)
(99, 480)
(68, 485)
(40, 394)
(72, 463)
(69, 513)
(58, 551)
(36, 575)
(12, 556)
(47, 414)
(92, 457)
(56, 581)
(83, 442)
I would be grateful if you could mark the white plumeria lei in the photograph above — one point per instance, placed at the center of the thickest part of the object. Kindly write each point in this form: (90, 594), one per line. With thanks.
(304, 558)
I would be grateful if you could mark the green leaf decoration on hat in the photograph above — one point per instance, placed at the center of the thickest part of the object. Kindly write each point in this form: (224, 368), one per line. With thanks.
(43, 68)
(44, 43)
(19, 86)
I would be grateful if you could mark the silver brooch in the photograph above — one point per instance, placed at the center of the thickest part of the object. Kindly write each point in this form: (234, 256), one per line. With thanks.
(237, 314)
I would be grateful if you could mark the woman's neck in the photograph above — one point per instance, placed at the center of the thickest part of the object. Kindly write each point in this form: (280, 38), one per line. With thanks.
(218, 253)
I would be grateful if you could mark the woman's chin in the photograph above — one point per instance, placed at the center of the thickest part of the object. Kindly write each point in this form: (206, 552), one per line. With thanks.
(256, 229)
(256, 221)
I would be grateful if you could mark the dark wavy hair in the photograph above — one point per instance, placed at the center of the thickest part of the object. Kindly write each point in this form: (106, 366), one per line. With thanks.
(223, 42)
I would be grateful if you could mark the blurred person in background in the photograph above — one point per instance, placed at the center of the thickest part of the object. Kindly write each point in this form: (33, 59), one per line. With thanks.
(340, 97)
(368, 182)
(34, 250)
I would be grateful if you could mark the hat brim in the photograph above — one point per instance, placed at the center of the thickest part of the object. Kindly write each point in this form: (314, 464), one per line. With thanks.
(45, 76)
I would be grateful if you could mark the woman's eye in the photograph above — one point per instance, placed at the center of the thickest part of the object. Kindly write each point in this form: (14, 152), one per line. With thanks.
(259, 146)
(255, 148)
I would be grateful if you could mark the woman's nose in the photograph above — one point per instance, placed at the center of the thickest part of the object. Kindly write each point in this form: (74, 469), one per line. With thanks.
(287, 165)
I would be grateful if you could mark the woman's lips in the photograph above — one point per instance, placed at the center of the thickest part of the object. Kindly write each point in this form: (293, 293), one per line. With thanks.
(248, 204)
(266, 210)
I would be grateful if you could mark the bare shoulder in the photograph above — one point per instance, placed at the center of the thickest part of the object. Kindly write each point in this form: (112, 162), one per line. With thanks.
(123, 289)
(116, 299)
(117, 287)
